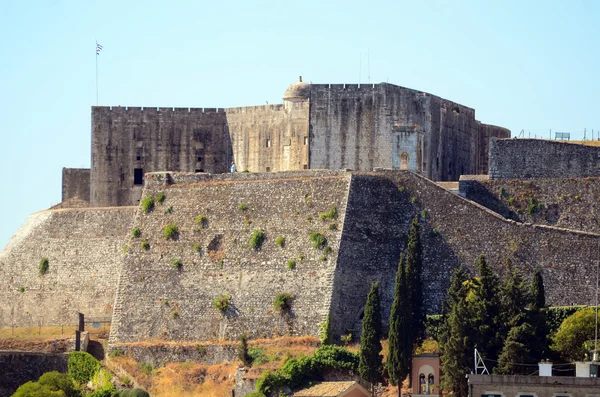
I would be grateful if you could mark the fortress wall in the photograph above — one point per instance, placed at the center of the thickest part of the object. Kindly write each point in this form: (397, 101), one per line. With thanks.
(157, 301)
(17, 368)
(76, 183)
(572, 203)
(151, 139)
(84, 248)
(366, 126)
(538, 158)
(380, 209)
(486, 133)
(269, 138)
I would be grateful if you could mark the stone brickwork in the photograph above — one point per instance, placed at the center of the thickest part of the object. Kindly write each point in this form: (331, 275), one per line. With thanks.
(539, 158)
(155, 300)
(319, 126)
(362, 127)
(84, 248)
(572, 203)
(76, 183)
(539, 386)
(17, 368)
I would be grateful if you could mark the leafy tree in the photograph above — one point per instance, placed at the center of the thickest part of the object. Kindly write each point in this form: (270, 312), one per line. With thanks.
(50, 384)
(517, 352)
(457, 335)
(400, 336)
(414, 266)
(515, 296)
(369, 366)
(487, 310)
(572, 335)
(34, 389)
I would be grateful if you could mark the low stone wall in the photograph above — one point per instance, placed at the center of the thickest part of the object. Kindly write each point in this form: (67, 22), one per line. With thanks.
(17, 368)
(160, 353)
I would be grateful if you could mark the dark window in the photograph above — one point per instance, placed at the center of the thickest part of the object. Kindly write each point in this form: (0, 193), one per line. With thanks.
(199, 158)
(268, 169)
(200, 170)
(305, 166)
(268, 143)
(491, 395)
(138, 176)
(138, 158)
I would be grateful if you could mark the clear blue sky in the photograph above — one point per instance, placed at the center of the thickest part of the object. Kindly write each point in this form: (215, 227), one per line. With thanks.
(529, 65)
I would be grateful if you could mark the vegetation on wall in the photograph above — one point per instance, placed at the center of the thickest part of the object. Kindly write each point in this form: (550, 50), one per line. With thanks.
(202, 220)
(82, 366)
(136, 232)
(160, 198)
(44, 266)
(283, 302)
(256, 239)
(222, 303)
(147, 203)
(280, 241)
(331, 214)
(171, 231)
(319, 241)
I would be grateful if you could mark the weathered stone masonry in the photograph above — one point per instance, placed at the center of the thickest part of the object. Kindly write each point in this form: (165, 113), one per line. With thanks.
(155, 300)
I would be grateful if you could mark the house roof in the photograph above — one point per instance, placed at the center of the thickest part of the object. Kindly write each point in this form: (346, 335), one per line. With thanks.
(326, 389)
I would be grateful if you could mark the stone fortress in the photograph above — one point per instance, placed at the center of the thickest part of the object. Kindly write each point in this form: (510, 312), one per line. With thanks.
(371, 152)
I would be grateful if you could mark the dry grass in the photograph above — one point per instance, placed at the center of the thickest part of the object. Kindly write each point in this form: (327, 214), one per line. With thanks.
(44, 333)
(587, 143)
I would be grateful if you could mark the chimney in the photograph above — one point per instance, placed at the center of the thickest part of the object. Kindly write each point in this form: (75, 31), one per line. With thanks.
(582, 369)
(545, 368)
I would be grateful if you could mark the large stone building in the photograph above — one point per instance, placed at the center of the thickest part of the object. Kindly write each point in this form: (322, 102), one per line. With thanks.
(318, 126)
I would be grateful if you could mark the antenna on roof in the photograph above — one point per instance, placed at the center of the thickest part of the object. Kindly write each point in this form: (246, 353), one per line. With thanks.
(369, 64)
(359, 66)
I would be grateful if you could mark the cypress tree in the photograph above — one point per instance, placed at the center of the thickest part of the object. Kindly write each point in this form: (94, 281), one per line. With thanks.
(456, 341)
(517, 351)
(369, 366)
(538, 292)
(400, 335)
(514, 296)
(414, 266)
(487, 311)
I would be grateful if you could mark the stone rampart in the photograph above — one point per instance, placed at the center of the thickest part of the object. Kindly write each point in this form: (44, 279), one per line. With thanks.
(84, 249)
(572, 203)
(158, 300)
(17, 368)
(76, 183)
(539, 158)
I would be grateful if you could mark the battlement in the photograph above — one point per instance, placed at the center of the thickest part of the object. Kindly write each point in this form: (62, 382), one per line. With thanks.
(135, 109)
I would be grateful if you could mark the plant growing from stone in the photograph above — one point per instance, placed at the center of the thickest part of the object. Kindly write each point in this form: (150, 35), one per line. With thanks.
(222, 303)
(333, 226)
(283, 302)
(202, 220)
(160, 198)
(243, 207)
(136, 232)
(21, 289)
(242, 351)
(331, 214)
(280, 241)
(291, 264)
(176, 263)
(256, 239)
(44, 266)
(318, 239)
(145, 245)
(147, 203)
(197, 248)
(171, 231)
(169, 210)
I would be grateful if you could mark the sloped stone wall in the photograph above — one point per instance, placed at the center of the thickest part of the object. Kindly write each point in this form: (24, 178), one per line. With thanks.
(84, 248)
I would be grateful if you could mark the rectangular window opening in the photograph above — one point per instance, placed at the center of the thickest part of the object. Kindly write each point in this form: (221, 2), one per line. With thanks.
(268, 143)
(138, 158)
(199, 170)
(305, 166)
(199, 158)
(268, 169)
(138, 176)
(306, 140)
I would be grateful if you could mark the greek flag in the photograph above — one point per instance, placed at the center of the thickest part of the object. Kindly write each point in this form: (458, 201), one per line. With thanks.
(98, 48)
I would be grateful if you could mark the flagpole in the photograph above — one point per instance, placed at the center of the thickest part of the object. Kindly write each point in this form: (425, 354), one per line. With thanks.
(96, 72)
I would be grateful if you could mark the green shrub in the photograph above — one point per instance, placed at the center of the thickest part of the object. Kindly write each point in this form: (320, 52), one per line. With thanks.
(256, 239)
(102, 380)
(136, 232)
(297, 371)
(21, 289)
(500, 192)
(291, 264)
(34, 389)
(333, 226)
(327, 250)
(176, 263)
(323, 257)
(258, 355)
(160, 197)
(318, 239)
(174, 314)
(222, 303)
(202, 220)
(116, 353)
(413, 200)
(242, 206)
(534, 206)
(57, 381)
(331, 214)
(44, 266)
(171, 231)
(103, 393)
(197, 248)
(242, 351)
(511, 200)
(423, 214)
(146, 368)
(433, 325)
(557, 314)
(325, 331)
(169, 210)
(82, 366)
(280, 241)
(145, 245)
(401, 189)
(147, 203)
(283, 302)
(346, 339)
(301, 257)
